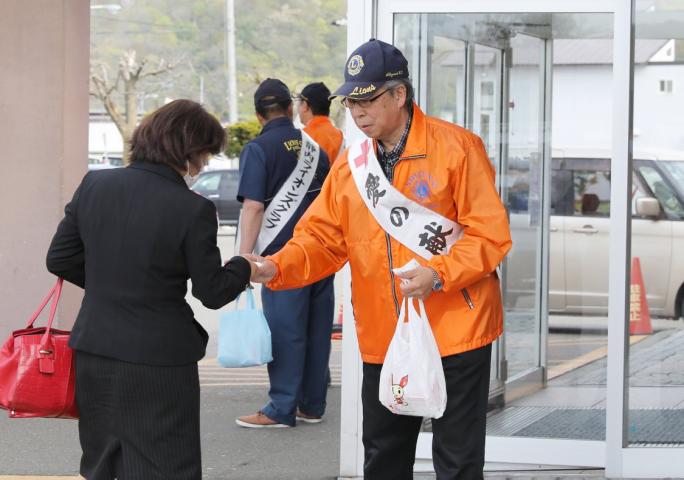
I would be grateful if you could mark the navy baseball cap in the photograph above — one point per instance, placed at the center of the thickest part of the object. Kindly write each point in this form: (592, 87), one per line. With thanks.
(271, 91)
(369, 67)
(316, 93)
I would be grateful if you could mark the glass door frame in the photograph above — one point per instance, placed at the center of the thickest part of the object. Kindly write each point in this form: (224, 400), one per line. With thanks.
(622, 460)
(374, 18)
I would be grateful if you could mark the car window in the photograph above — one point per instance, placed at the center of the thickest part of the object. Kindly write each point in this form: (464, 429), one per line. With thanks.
(676, 171)
(591, 193)
(580, 187)
(229, 182)
(663, 192)
(562, 193)
(208, 182)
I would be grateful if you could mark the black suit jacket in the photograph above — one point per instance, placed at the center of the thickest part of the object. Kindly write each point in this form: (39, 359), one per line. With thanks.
(132, 237)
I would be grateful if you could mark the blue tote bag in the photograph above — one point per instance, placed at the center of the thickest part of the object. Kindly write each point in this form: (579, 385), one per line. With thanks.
(244, 336)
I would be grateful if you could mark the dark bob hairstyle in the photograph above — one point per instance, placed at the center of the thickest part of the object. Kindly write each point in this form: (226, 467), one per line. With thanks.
(176, 134)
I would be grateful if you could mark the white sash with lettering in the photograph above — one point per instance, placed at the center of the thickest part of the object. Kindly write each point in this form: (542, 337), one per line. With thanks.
(290, 196)
(419, 229)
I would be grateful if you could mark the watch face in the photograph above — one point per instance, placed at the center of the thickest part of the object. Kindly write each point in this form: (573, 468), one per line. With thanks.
(437, 286)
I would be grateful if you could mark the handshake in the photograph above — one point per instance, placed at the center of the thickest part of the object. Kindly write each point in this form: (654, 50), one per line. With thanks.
(263, 270)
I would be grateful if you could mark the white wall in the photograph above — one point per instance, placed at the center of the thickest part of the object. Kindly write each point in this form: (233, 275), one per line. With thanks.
(658, 118)
(582, 107)
(104, 137)
(524, 114)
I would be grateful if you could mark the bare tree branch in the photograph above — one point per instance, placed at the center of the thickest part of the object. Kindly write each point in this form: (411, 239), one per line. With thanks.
(129, 74)
(163, 68)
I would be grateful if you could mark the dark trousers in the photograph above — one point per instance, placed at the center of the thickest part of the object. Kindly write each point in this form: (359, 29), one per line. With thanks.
(458, 439)
(301, 324)
(137, 422)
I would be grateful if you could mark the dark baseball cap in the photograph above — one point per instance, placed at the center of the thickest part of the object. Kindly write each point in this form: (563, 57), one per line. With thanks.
(316, 93)
(271, 91)
(369, 67)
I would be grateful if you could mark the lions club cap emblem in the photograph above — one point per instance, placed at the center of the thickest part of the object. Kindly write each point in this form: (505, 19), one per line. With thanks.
(355, 65)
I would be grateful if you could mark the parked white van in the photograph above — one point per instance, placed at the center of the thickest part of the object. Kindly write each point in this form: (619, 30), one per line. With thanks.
(579, 232)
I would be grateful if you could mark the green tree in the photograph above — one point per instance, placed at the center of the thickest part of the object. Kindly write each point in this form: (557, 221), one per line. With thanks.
(239, 134)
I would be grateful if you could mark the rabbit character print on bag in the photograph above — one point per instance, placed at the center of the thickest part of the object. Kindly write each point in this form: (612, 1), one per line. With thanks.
(398, 390)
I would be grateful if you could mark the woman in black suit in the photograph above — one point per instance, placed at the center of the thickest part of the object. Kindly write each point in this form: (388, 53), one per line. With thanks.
(132, 237)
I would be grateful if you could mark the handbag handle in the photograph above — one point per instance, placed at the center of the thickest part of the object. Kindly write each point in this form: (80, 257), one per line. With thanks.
(250, 299)
(45, 301)
(45, 348)
(54, 293)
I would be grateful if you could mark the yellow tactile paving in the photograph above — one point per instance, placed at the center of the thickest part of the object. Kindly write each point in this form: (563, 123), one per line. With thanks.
(34, 477)
(584, 359)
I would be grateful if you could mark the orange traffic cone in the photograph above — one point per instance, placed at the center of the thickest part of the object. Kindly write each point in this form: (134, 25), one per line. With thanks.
(337, 326)
(639, 315)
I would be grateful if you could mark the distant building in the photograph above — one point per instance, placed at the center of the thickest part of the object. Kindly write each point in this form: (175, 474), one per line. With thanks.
(583, 94)
(104, 140)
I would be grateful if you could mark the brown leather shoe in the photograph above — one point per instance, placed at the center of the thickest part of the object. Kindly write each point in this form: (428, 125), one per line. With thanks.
(258, 420)
(307, 418)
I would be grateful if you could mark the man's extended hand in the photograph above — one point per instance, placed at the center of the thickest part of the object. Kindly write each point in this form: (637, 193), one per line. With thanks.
(417, 282)
(265, 269)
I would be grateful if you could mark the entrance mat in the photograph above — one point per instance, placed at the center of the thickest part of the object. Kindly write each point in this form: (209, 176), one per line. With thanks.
(646, 426)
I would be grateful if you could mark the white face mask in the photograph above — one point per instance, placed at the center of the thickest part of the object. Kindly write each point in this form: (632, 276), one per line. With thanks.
(189, 179)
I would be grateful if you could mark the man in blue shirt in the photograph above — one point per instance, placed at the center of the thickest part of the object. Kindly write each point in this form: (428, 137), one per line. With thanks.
(281, 173)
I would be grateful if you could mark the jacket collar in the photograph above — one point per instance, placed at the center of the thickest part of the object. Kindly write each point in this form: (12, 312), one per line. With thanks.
(318, 120)
(416, 143)
(159, 169)
(277, 123)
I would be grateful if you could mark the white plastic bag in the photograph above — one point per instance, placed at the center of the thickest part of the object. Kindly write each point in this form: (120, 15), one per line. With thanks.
(412, 377)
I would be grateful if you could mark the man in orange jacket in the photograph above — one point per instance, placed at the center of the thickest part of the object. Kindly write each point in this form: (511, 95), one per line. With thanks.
(313, 107)
(422, 189)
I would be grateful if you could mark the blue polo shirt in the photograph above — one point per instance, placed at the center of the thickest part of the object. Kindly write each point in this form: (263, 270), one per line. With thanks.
(265, 164)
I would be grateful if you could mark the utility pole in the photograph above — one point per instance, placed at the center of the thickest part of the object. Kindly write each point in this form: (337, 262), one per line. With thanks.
(231, 62)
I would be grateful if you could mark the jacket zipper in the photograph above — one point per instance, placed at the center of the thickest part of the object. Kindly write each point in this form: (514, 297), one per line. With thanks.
(410, 157)
(391, 266)
(467, 298)
(387, 237)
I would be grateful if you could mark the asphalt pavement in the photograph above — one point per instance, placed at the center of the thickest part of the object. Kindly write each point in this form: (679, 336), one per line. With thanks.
(306, 452)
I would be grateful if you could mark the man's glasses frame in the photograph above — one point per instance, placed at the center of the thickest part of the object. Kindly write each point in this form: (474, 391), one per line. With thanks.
(363, 103)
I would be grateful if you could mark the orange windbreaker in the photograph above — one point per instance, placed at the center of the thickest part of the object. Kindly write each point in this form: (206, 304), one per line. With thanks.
(445, 168)
(325, 134)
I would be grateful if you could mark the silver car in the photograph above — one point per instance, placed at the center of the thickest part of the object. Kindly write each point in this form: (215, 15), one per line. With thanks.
(579, 233)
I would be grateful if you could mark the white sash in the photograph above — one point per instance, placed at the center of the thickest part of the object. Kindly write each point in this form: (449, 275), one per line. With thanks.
(419, 229)
(290, 196)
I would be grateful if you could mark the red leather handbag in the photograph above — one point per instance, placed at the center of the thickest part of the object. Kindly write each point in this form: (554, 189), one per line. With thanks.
(37, 377)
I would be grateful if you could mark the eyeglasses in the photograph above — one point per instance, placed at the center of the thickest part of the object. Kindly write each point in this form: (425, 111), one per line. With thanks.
(365, 103)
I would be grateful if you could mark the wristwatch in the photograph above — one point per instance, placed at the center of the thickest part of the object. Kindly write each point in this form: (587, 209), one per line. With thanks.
(436, 281)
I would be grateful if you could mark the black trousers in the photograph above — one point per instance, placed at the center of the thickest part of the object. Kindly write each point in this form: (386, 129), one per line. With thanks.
(458, 439)
(138, 422)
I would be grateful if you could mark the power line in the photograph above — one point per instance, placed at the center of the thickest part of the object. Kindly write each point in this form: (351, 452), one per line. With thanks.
(135, 32)
(139, 22)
